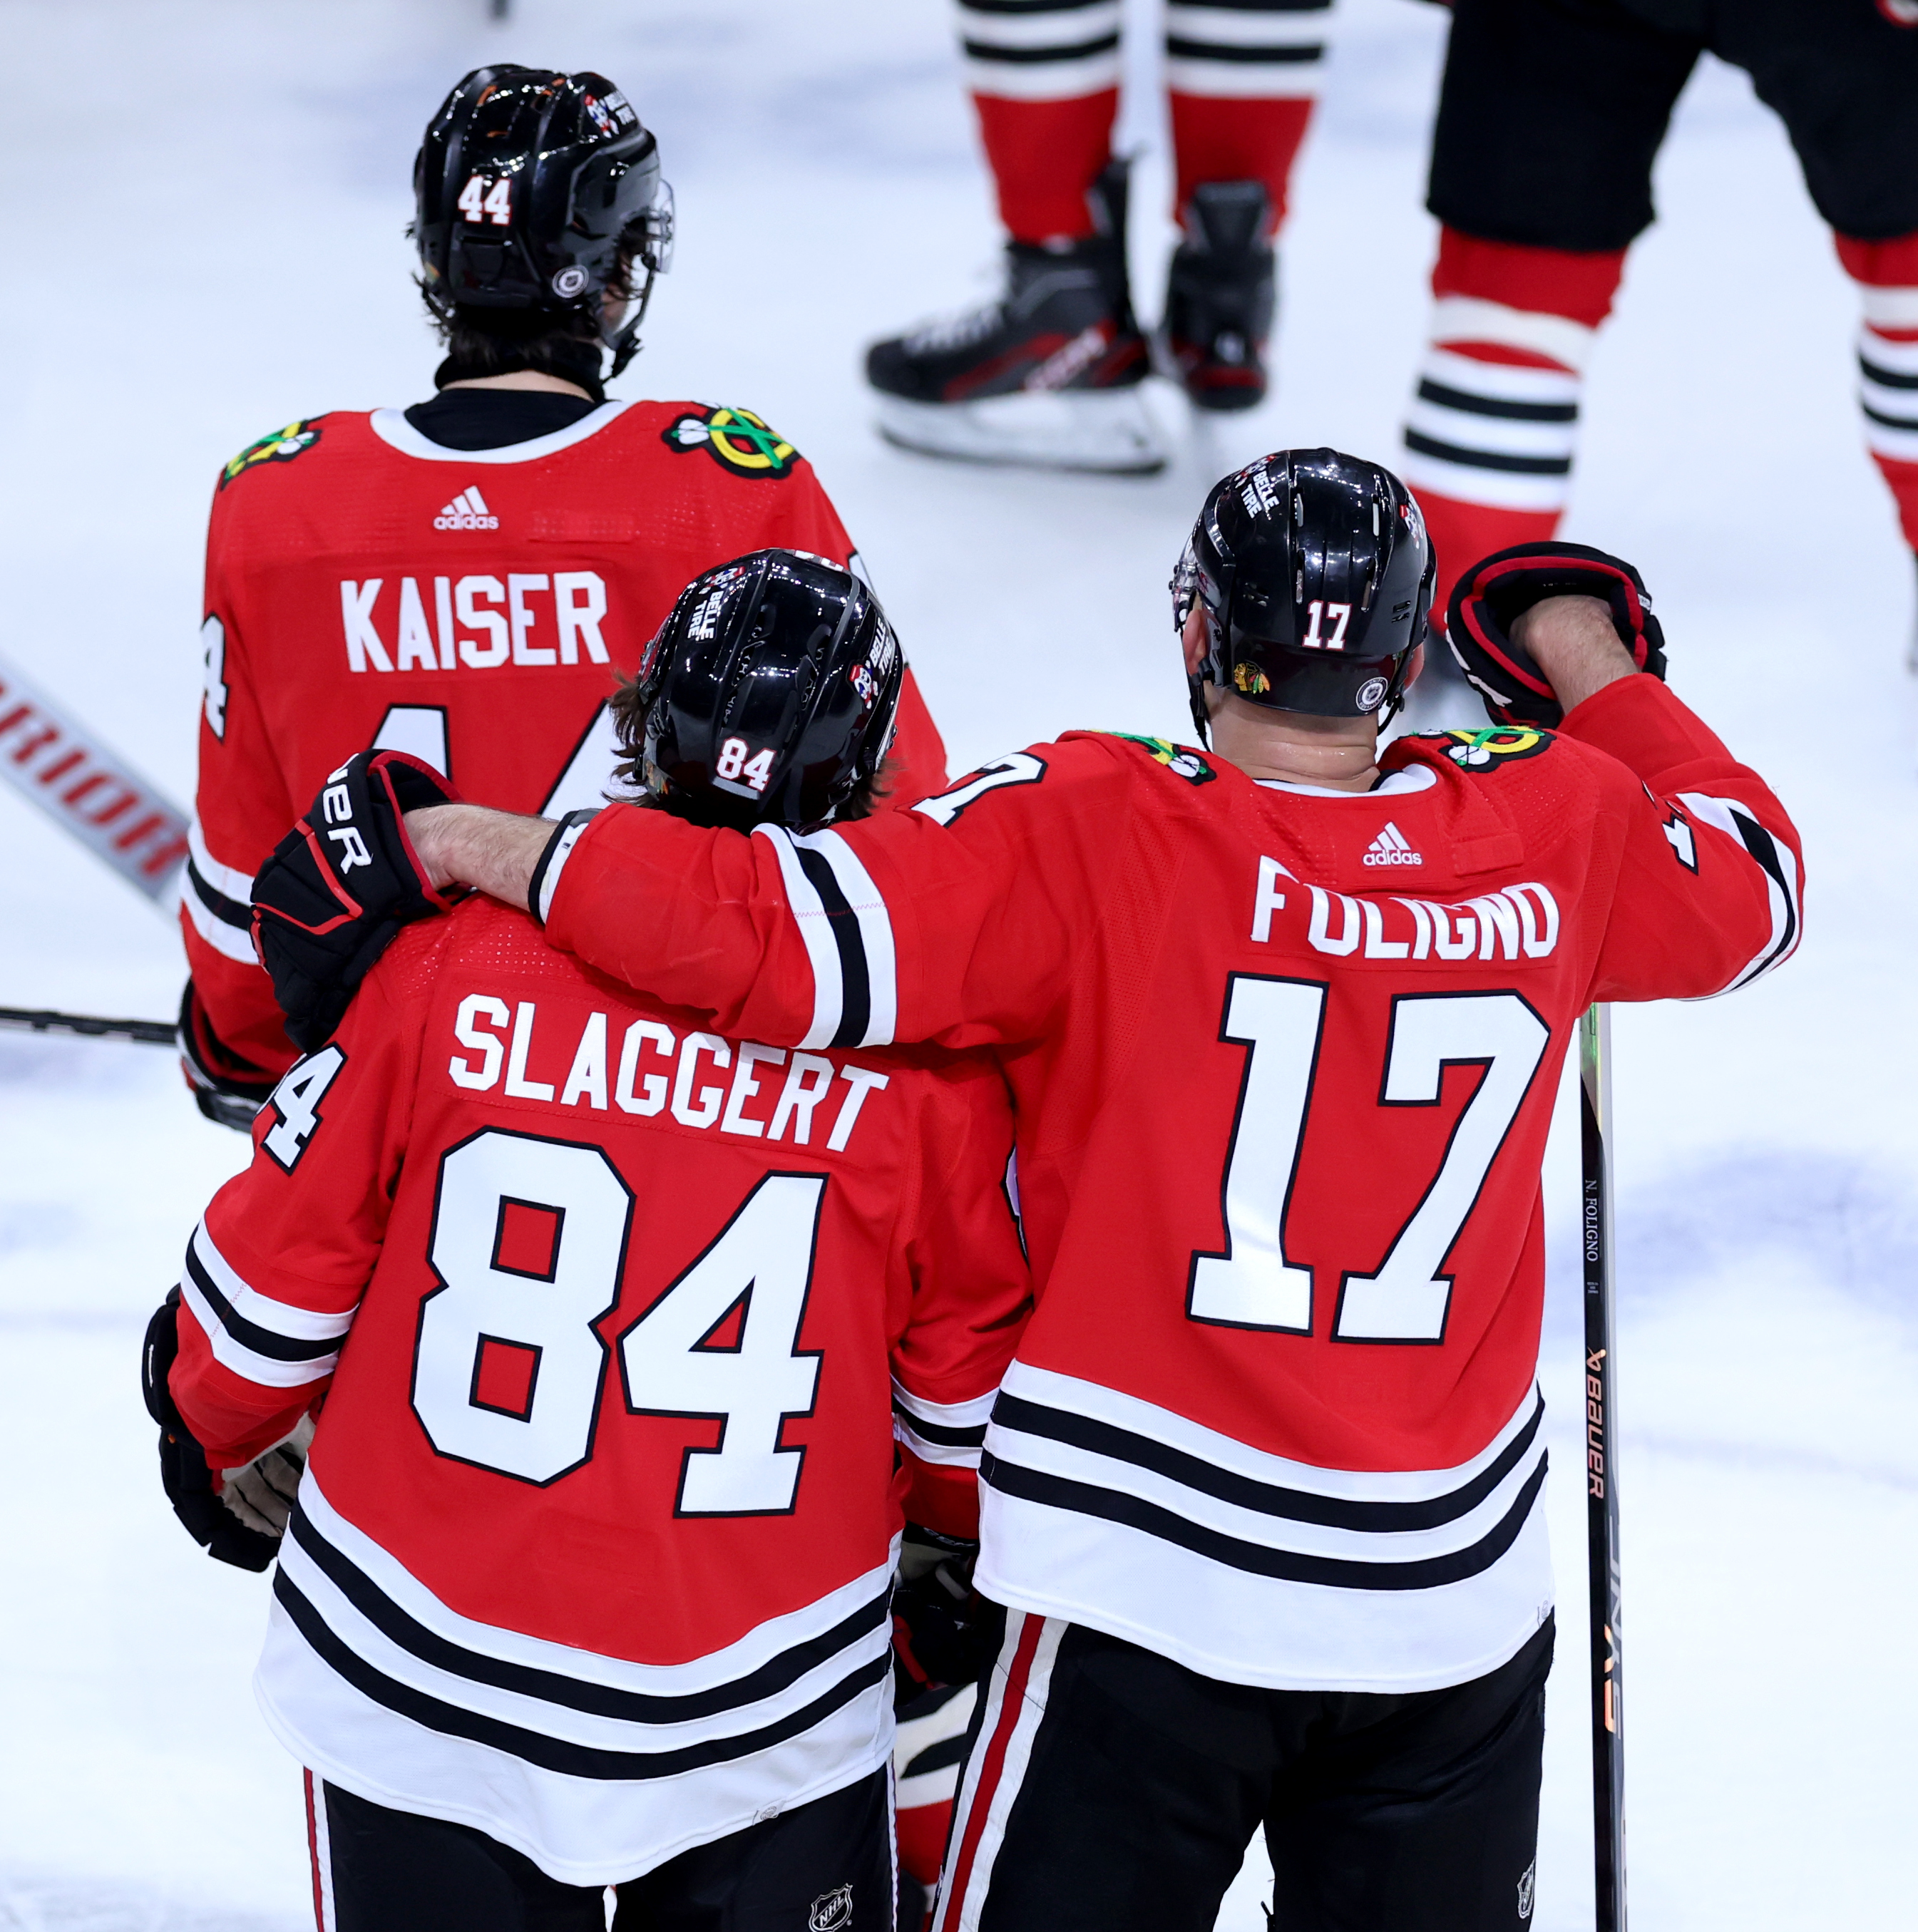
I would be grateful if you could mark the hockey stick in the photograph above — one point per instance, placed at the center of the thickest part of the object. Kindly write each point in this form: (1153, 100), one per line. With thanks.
(1595, 1069)
(147, 1033)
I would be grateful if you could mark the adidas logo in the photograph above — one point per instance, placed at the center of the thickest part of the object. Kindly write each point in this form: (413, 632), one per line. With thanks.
(466, 512)
(1389, 848)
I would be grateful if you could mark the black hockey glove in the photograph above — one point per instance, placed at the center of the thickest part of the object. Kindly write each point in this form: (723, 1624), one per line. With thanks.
(226, 1087)
(943, 1631)
(242, 1524)
(339, 887)
(1494, 592)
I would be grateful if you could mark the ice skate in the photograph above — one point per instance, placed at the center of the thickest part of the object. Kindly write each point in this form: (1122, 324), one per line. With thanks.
(1047, 376)
(1219, 299)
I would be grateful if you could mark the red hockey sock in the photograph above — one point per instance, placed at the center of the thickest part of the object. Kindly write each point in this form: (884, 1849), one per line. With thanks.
(1887, 273)
(1044, 155)
(1237, 140)
(1491, 436)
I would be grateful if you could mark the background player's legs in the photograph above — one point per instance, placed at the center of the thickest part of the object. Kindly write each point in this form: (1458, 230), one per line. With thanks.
(827, 1864)
(1106, 1788)
(1844, 82)
(1242, 81)
(1419, 1813)
(375, 1869)
(1550, 113)
(1048, 374)
(929, 1748)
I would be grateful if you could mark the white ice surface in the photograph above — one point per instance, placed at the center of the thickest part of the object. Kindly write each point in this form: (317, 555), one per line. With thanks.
(203, 214)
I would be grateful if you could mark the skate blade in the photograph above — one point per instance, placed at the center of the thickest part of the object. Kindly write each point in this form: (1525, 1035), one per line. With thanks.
(1109, 432)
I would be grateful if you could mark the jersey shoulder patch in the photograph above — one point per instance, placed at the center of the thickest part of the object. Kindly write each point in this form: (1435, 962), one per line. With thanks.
(1486, 750)
(280, 446)
(736, 440)
(1181, 760)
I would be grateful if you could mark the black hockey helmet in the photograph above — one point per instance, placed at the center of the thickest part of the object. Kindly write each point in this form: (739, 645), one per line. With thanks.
(769, 693)
(1314, 574)
(528, 185)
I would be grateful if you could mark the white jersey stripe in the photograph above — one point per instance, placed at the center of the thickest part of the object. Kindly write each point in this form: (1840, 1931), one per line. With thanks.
(875, 935)
(228, 879)
(815, 928)
(1780, 871)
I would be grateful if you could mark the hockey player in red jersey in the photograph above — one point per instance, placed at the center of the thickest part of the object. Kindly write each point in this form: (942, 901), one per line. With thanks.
(1550, 117)
(463, 580)
(611, 1317)
(1283, 1016)
(1048, 374)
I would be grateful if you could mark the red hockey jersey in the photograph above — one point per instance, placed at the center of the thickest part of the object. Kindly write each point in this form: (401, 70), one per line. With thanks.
(622, 1326)
(366, 586)
(1283, 1061)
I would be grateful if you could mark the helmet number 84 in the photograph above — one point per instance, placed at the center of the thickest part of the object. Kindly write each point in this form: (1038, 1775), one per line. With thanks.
(734, 763)
(476, 203)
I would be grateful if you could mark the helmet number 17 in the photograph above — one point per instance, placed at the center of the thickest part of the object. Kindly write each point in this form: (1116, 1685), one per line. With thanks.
(1316, 612)
(476, 204)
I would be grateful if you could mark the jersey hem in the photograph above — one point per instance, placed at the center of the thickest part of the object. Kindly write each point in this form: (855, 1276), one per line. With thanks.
(567, 1872)
(392, 428)
(1230, 1670)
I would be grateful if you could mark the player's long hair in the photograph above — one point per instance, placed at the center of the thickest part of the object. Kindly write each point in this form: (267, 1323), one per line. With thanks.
(629, 775)
(498, 341)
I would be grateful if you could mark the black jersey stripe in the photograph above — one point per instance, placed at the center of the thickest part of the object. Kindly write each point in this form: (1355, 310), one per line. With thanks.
(1488, 459)
(987, 50)
(953, 1437)
(1765, 854)
(232, 912)
(855, 976)
(1232, 55)
(1256, 1559)
(1429, 392)
(600, 1700)
(1175, 7)
(536, 1747)
(268, 1342)
(1027, 8)
(1228, 1486)
(937, 1756)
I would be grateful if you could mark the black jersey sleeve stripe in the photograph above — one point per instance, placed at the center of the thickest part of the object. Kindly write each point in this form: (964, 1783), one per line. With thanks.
(986, 50)
(953, 1437)
(230, 911)
(535, 1747)
(1765, 854)
(855, 976)
(266, 1342)
(1256, 1559)
(1105, 1438)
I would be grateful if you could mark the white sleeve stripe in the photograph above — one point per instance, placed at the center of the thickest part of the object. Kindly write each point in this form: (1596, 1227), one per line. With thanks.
(974, 1414)
(244, 1362)
(950, 1455)
(235, 942)
(228, 879)
(279, 1317)
(555, 864)
(875, 933)
(815, 928)
(1774, 861)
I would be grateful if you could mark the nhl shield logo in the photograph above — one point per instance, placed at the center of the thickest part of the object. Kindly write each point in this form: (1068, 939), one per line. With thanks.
(832, 1911)
(1525, 1885)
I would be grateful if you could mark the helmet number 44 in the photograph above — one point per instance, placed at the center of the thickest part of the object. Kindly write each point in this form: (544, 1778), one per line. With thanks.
(476, 203)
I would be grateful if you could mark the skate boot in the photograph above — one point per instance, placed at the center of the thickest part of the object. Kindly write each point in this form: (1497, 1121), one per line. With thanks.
(1048, 376)
(1221, 297)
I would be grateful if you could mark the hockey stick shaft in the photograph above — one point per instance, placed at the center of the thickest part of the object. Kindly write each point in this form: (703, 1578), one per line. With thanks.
(146, 1033)
(1594, 1068)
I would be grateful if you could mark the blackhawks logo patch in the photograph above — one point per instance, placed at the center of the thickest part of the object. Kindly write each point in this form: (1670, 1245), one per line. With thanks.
(282, 446)
(1497, 745)
(736, 440)
(1176, 759)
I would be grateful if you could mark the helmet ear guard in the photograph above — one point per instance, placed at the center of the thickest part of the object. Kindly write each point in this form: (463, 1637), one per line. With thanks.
(1314, 572)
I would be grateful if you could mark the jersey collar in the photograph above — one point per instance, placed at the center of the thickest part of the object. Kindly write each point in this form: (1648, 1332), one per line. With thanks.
(392, 428)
